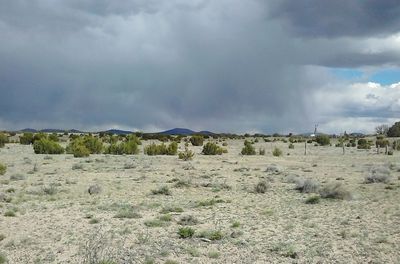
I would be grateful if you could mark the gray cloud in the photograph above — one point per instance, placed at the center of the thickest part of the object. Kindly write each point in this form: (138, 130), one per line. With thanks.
(316, 18)
(218, 65)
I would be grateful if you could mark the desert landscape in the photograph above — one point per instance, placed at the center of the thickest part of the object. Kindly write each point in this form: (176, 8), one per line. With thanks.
(321, 207)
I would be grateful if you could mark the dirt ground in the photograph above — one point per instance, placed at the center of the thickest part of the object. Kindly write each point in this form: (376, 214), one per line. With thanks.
(48, 216)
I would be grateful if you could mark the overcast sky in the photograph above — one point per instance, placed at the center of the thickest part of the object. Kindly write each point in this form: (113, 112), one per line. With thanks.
(220, 65)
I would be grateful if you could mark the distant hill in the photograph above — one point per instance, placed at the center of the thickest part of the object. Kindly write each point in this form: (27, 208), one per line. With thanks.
(184, 132)
(52, 130)
(28, 130)
(178, 131)
(118, 132)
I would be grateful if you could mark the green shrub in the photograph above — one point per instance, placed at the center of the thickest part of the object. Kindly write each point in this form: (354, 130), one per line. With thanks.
(3, 169)
(186, 155)
(197, 140)
(154, 149)
(93, 144)
(45, 146)
(212, 149)
(362, 143)
(323, 140)
(277, 152)
(80, 151)
(53, 137)
(313, 199)
(186, 232)
(130, 147)
(291, 146)
(248, 149)
(3, 258)
(211, 234)
(39, 136)
(26, 139)
(3, 139)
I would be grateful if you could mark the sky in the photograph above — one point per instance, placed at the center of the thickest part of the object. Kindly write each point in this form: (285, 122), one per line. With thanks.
(221, 65)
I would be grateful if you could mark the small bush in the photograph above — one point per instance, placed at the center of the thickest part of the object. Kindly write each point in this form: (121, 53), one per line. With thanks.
(3, 169)
(291, 146)
(186, 155)
(3, 139)
(307, 186)
(53, 137)
(26, 139)
(45, 146)
(3, 259)
(362, 143)
(396, 145)
(212, 149)
(261, 187)
(248, 149)
(323, 140)
(188, 220)
(277, 152)
(261, 151)
(212, 235)
(313, 199)
(379, 174)
(129, 147)
(335, 191)
(186, 232)
(162, 190)
(162, 149)
(197, 140)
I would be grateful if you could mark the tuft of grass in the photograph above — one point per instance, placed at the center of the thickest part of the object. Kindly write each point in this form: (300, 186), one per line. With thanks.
(307, 186)
(164, 190)
(261, 187)
(94, 221)
(186, 232)
(211, 234)
(214, 254)
(171, 209)
(335, 191)
(313, 199)
(3, 258)
(3, 169)
(9, 213)
(235, 224)
(129, 214)
(209, 202)
(154, 223)
(188, 220)
(17, 177)
(377, 175)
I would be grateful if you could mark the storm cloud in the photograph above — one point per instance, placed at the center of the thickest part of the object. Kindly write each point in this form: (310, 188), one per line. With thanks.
(227, 66)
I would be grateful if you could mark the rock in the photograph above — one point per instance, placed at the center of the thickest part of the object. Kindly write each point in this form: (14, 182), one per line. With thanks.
(94, 189)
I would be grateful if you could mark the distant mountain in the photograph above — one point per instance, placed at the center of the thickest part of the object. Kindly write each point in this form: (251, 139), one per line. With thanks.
(74, 131)
(184, 132)
(178, 131)
(28, 130)
(205, 132)
(118, 132)
(52, 130)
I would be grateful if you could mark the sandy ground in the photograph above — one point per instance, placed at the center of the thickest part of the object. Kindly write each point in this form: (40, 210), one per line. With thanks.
(57, 221)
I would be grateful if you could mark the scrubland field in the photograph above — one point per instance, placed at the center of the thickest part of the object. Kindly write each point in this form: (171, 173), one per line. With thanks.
(324, 207)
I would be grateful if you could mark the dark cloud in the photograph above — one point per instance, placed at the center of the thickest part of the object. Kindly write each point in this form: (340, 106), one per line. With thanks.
(326, 18)
(218, 65)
